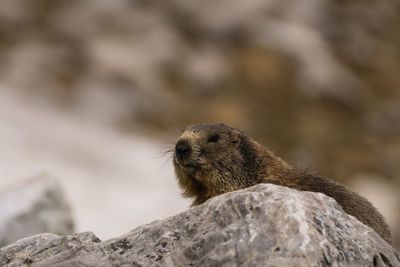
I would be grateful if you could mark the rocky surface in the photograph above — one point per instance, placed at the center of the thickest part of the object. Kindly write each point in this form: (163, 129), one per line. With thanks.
(264, 225)
(34, 206)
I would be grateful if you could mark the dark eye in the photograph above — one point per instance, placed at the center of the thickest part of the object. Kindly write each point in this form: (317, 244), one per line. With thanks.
(213, 138)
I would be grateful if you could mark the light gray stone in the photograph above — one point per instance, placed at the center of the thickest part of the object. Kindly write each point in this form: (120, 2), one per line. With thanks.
(34, 206)
(265, 225)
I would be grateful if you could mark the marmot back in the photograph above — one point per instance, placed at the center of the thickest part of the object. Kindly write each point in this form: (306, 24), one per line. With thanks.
(212, 159)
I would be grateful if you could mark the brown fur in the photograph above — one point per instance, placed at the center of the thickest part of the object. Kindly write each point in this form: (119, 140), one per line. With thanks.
(234, 161)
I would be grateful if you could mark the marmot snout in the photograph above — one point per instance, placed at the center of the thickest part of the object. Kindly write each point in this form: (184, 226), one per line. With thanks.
(212, 159)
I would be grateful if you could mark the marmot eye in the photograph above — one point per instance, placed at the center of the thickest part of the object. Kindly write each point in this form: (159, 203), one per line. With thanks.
(213, 138)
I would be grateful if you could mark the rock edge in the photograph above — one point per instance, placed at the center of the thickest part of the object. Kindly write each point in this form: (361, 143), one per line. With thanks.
(265, 224)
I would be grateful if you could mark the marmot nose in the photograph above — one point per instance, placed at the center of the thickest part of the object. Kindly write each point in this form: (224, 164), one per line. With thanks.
(183, 149)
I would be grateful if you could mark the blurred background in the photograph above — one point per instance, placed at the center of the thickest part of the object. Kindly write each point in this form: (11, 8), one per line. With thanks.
(94, 92)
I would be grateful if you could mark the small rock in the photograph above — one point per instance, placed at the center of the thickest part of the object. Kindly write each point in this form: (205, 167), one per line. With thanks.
(35, 206)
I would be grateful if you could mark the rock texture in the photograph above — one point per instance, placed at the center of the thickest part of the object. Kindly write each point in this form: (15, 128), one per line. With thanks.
(32, 207)
(264, 225)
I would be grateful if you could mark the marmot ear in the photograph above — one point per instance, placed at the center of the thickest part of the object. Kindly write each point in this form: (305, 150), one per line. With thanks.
(235, 137)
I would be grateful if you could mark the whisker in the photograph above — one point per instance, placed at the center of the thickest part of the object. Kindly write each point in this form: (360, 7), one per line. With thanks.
(168, 151)
(167, 160)
(167, 154)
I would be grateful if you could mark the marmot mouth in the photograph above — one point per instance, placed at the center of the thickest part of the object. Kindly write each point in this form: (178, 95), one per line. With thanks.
(187, 164)
(189, 167)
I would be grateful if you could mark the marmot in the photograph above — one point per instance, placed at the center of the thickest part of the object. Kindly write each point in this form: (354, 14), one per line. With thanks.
(212, 159)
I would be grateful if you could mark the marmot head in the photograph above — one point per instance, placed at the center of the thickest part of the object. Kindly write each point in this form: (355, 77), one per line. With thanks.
(211, 159)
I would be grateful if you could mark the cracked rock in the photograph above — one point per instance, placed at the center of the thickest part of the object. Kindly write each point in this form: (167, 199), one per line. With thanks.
(264, 225)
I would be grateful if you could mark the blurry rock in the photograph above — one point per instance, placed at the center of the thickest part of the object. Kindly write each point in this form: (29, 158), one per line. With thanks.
(384, 120)
(33, 207)
(265, 225)
(337, 51)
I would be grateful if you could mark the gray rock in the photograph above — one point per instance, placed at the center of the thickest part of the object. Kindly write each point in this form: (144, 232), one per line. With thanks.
(32, 207)
(265, 225)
